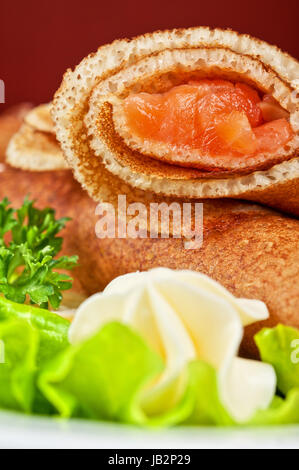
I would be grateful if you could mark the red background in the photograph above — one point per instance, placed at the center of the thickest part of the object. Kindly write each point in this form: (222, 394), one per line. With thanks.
(40, 39)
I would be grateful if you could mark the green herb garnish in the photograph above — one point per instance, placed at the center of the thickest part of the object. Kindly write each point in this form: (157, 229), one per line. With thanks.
(28, 247)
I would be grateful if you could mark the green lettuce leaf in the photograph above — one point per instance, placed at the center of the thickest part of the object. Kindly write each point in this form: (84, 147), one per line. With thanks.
(207, 406)
(102, 377)
(18, 350)
(29, 337)
(279, 346)
(52, 328)
(281, 411)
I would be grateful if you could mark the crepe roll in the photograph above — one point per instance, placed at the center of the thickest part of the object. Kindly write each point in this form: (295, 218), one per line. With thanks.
(190, 113)
(39, 118)
(34, 146)
(10, 122)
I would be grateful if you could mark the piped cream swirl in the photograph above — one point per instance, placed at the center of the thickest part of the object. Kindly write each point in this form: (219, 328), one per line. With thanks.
(184, 316)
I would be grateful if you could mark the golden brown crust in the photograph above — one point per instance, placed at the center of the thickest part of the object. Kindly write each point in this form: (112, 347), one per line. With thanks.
(283, 196)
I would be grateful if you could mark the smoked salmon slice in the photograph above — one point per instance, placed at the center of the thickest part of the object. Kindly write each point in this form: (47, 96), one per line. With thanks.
(215, 117)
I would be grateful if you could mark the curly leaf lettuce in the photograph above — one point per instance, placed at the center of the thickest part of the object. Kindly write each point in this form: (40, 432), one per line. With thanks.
(102, 377)
(279, 347)
(281, 411)
(19, 344)
(29, 337)
(52, 329)
(207, 407)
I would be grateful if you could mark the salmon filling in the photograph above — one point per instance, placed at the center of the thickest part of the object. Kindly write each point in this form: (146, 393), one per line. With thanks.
(215, 117)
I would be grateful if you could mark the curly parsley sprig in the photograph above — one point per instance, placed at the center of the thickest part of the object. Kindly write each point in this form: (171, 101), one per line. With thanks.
(28, 247)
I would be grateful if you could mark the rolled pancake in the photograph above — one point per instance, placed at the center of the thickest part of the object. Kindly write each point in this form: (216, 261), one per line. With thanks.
(40, 119)
(35, 147)
(86, 106)
(251, 250)
(10, 122)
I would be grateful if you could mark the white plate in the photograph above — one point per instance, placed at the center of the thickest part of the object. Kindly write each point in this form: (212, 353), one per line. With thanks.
(21, 431)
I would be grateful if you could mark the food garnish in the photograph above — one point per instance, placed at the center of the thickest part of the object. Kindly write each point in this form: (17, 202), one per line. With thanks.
(29, 244)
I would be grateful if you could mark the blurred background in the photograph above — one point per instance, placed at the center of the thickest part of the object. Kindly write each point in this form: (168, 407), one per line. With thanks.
(40, 39)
